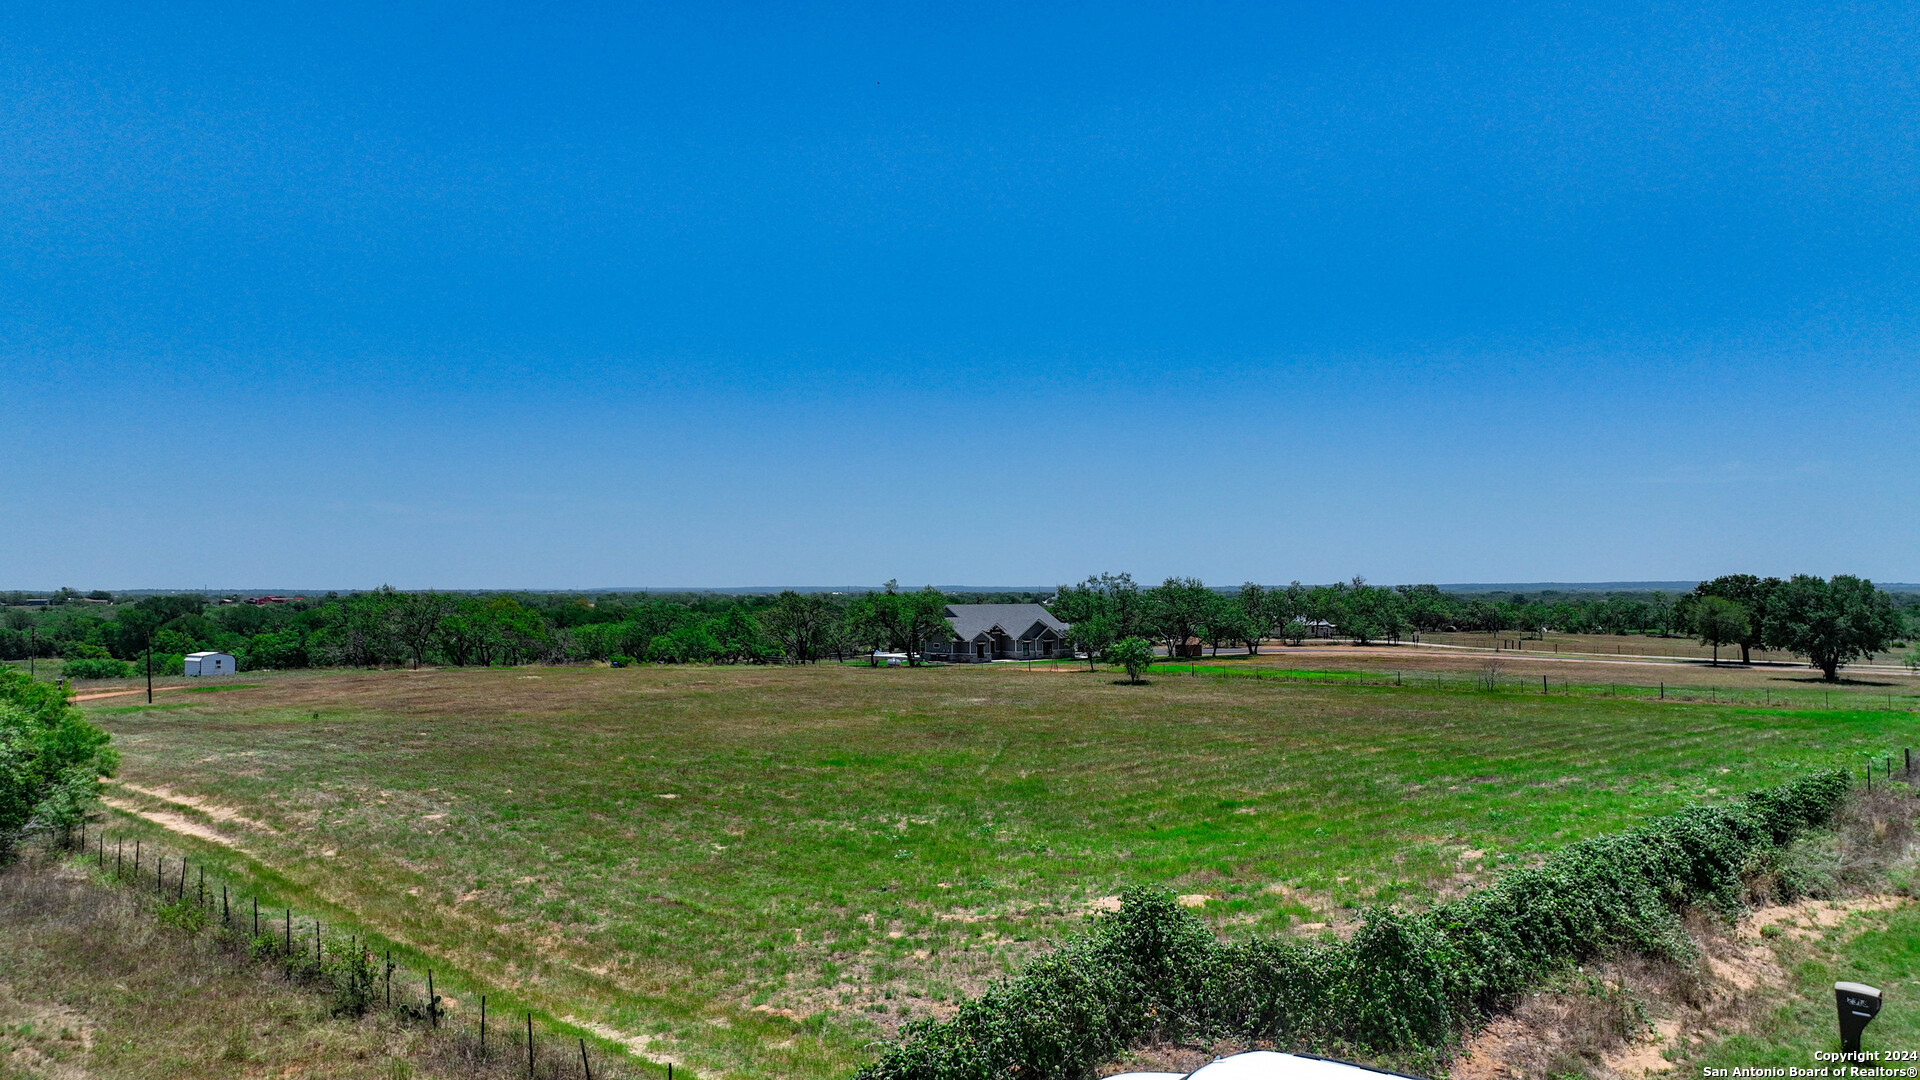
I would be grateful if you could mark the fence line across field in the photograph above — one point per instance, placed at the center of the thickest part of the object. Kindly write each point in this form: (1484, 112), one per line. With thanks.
(358, 980)
(1495, 681)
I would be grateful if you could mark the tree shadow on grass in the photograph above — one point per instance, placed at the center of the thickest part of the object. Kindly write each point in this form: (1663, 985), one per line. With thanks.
(1124, 682)
(1841, 681)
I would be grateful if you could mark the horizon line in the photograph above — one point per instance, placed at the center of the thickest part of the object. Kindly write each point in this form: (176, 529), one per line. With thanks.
(768, 590)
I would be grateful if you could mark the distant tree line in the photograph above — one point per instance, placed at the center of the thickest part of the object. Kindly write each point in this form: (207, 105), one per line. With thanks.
(1830, 621)
(1184, 611)
(388, 627)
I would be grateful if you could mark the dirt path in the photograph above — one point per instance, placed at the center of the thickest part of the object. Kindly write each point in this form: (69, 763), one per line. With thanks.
(172, 822)
(124, 693)
(213, 810)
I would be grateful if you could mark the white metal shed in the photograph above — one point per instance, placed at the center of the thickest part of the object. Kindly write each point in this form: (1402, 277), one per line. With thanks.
(210, 663)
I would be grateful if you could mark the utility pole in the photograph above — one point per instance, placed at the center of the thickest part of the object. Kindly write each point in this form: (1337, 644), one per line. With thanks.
(149, 667)
(33, 649)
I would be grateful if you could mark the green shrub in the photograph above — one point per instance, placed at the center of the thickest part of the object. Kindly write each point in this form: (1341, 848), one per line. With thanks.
(1405, 984)
(354, 977)
(51, 760)
(187, 915)
(97, 668)
(1134, 654)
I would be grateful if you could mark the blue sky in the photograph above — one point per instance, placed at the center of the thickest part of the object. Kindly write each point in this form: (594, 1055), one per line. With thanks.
(569, 296)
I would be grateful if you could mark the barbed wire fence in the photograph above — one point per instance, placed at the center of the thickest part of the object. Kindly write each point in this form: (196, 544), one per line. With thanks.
(358, 977)
(1491, 677)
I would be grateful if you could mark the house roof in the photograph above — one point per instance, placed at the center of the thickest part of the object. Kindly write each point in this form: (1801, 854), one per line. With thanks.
(969, 621)
(204, 655)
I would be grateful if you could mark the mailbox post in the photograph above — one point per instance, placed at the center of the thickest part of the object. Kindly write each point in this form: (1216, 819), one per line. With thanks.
(1858, 1003)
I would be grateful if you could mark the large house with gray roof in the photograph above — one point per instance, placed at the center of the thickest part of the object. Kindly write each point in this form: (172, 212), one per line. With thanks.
(985, 632)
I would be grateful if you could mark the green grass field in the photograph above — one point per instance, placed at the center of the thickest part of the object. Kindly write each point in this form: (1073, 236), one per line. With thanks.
(764, 869)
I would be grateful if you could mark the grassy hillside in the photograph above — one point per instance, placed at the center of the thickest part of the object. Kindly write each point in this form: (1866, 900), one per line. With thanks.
(762, 870)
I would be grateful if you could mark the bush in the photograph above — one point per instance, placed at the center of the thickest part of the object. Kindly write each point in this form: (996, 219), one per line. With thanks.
(96, 668)
(1405, 984)
(1134, 654)
(189, 916)
(51, 760)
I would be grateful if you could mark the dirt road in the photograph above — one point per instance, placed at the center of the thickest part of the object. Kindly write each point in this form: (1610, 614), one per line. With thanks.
(123, 693)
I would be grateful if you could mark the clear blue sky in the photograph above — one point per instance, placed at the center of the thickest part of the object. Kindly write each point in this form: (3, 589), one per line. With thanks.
(485, 296)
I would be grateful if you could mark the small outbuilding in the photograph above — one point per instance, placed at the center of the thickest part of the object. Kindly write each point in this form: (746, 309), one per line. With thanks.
(210, 663)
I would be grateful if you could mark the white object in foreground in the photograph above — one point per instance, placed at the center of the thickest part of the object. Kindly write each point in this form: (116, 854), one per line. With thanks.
(1267, 1065)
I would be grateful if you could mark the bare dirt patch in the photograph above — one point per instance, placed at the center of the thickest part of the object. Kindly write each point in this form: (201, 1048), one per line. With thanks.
(1630, 1015)
(211, 809)
(173, 822)
(1808, 918)
(642, 1045)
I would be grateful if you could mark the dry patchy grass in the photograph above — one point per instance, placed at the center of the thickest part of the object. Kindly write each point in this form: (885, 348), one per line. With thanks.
(91, 985)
